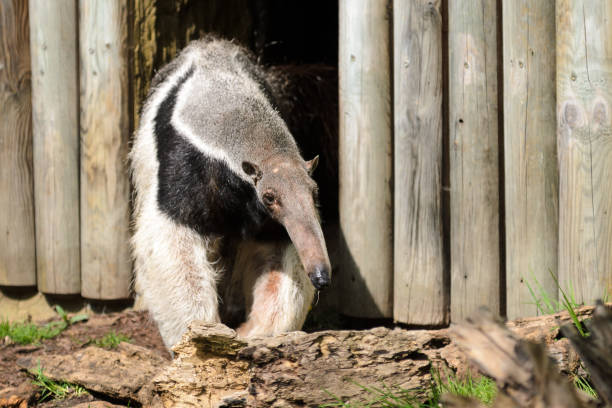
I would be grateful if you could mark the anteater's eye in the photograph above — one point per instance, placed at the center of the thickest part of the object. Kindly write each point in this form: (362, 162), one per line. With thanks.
(268, 198)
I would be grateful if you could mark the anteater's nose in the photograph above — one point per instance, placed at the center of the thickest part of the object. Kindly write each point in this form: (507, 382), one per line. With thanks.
(320, 277)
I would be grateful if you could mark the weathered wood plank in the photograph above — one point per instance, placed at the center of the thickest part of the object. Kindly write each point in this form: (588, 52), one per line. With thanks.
(473, 144)
(17, 242)
(366, 272)
(584, 103)
(104, 126)
(53, 39)
(530, 152)
(419, 296)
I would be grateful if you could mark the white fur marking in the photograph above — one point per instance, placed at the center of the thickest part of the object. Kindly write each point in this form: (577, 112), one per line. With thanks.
(185, 131)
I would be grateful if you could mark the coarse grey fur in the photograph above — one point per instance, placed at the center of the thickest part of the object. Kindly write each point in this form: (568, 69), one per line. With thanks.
(226, 103)
(224, 110)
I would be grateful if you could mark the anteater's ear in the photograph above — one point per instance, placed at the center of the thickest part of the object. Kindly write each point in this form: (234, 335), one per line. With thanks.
(311, 165)
(252, 170)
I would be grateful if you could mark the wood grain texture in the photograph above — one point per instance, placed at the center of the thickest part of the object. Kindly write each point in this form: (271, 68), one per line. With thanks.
(123, 373)
(365, 159)
(144, 48)
(53, 39)
(594, 350)
(418, 245)
(17, 241)
(104, 127)
(473, 144)
(524, 372)
(296, 369)
(299, 369)
(584, 138)
(530, 152)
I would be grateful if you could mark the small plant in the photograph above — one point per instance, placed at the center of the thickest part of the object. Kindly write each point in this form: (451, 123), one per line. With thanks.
(548, 305)
(585, 386)
(482, 388)
(30, 333)
(66, 321)
(544, 303)
(111, 340)
(26, 333)
(55, 389)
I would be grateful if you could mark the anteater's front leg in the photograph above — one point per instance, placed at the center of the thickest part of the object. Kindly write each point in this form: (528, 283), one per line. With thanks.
(278, 292)
(175, 277)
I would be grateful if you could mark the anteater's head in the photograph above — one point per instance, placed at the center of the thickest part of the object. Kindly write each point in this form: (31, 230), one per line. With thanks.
(285, 188)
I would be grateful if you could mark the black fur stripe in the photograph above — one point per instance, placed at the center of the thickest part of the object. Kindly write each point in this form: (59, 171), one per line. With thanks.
(198, 191)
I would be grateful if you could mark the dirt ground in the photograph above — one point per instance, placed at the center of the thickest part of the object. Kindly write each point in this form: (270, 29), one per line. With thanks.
(137, 325)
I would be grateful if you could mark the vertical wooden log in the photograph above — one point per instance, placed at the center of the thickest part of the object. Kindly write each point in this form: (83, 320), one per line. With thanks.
(144, 50)
(105, 126)
(474, 172)
(17, 242)
(365, 158)
(530, 151)
(418, 254)
(584, 111)
(53, 39)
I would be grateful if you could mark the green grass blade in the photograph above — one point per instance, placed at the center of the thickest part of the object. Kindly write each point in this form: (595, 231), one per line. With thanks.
(585, 386)
(569, 306)
(78, 318)
(537, 300)
(51, 389)
(61, 312)
(110, 340)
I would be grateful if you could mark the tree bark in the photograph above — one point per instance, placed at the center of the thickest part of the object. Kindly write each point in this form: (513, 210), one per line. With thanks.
(124, 373)
(213, 367)
(594, 350)
(524, 374)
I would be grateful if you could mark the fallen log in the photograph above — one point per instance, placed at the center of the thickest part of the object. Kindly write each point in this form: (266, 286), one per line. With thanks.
(525, 374)
(522, 369)
(596, 350)
(546, 328)
(213, 367)
(124, 373)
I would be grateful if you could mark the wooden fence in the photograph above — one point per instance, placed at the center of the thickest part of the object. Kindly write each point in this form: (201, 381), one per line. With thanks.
(475, 147)
(500, 120)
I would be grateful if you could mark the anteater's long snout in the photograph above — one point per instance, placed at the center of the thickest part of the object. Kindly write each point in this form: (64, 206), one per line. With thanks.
(307, 237)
